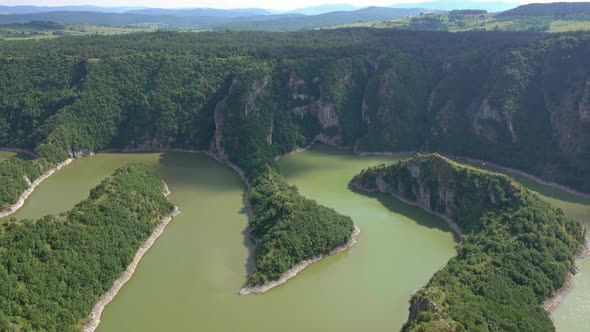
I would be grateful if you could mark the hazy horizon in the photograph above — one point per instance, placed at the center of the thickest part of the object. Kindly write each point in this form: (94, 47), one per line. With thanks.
(226, 4)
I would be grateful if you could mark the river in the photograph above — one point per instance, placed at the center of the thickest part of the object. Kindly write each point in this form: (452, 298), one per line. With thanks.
(190, 278)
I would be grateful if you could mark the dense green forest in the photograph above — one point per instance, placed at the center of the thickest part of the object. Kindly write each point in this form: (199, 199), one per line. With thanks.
(14, 173)
(53, 270)
(517, 250)
(518, 99)
(290, 228)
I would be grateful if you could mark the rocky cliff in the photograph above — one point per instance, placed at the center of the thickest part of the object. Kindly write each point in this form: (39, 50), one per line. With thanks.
(517, 250)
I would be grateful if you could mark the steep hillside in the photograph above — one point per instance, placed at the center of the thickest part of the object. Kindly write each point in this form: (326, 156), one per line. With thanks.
(520, 100)
(517, 251)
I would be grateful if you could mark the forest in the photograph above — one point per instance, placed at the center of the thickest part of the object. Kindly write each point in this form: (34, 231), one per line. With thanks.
(290, 228)
(53, 270)
(517, 250)
(518, 99)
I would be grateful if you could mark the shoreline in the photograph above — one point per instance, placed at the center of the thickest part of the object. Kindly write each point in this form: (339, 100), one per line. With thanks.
(450, 222)
(457, 158)
(292, 272)
(526, 175)
(23, 197)
(463, 159)
(19, 150)
(204, 152)
(553, 302)
(106, 298)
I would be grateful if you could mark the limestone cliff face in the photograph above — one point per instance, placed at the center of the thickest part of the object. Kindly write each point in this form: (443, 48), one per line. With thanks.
(240, 106)
(487, 112)
(499, 217)
(440, 186)
(323, 110)
(218, 115)
(321, 107)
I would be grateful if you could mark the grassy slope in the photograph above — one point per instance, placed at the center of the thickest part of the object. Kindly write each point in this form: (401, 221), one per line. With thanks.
(485, 22)
(20, 32)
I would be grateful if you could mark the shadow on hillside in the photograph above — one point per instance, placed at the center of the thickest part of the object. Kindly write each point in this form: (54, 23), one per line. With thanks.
(540, 188)
(198, 169)
(421, 217)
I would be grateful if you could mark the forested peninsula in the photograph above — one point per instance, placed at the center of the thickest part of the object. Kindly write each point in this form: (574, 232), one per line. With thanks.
(517, 251)
(54, 270)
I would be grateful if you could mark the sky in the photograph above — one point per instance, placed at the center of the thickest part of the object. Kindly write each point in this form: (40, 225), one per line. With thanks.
(268, 4)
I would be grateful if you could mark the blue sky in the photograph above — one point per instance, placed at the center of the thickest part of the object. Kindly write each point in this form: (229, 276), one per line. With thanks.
(270, 4)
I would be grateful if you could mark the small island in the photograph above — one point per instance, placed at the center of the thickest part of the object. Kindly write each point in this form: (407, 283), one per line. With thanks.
(517, 251)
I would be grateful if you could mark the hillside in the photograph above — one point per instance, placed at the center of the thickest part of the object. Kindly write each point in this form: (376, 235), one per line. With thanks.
(294, 23)
(517, 99)
(517, 251)
(514, 99)
(253, 19)
(471, 19)
(554, 9)
(448, 5)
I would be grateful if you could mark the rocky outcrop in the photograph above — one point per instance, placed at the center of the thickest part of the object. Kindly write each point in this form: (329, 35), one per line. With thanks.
(249, 99)
(487, 112)
(492, 208)
(323, 110)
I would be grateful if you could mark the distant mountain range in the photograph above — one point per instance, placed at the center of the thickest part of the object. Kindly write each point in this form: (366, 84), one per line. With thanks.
(323, 9)
(246, 19)
(327, 15)
(45, 9)
(490, 6)
(185, 12)
(302, 22)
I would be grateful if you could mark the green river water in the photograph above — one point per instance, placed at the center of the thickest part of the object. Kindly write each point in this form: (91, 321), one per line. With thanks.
(189, 280)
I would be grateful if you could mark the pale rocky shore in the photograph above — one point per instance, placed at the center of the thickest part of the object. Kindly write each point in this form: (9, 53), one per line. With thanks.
(300, 267)
(450, 222)
(555, 300)
(32, 185)
(107, 297)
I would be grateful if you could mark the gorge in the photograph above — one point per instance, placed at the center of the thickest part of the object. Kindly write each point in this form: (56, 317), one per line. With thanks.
(516, 99)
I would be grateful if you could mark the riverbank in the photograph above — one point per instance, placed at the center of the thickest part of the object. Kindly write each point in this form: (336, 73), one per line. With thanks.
(107, 297)
(526, 175)
(292, 272)
(23, 197)
(19, 150)
(205, 152)
(555, 300)
(450, 222)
